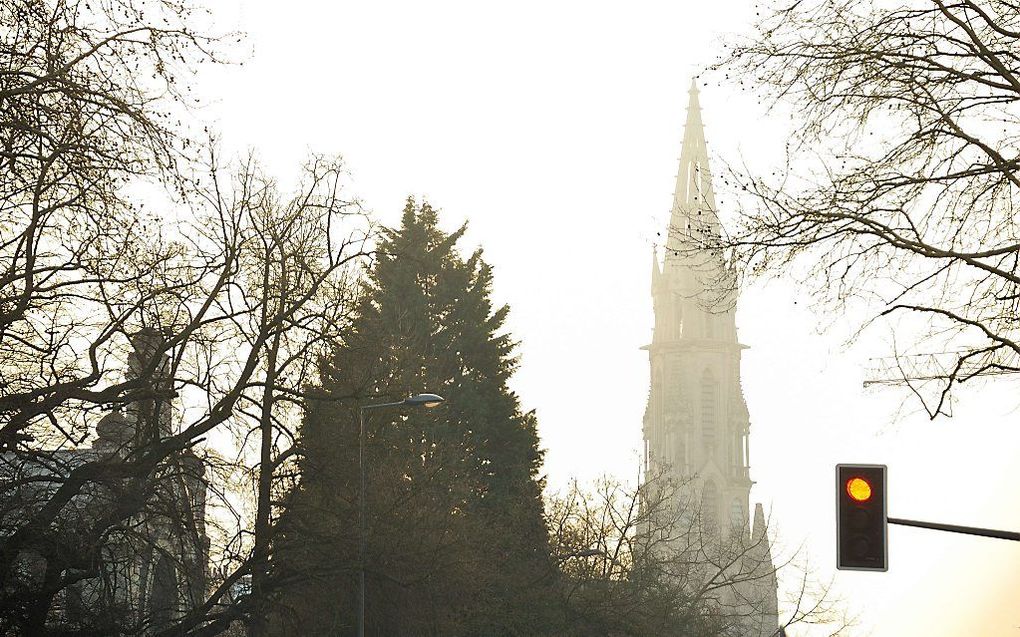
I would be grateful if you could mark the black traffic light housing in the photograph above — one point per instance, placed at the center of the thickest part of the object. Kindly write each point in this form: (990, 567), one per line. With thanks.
(862, 539)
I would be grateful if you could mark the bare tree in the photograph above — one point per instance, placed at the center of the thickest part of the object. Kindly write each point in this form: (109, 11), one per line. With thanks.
(292, 268)
(645, 561)
(133, 343)
(900, 190)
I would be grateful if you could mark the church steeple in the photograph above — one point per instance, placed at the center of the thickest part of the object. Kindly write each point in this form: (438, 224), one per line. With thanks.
(694, 211)
(696, 425)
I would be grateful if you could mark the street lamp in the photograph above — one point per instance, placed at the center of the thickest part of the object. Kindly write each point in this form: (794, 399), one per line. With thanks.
(418, 400)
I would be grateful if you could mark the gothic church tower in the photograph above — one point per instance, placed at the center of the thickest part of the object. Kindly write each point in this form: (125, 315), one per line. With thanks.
(696, 424)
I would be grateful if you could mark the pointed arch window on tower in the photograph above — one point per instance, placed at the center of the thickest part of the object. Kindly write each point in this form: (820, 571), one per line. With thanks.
(697, 182)
(710, 508)
(735, 452)
(738, 520)
(163, 597)
(678, 316)
(709, 391)
(709, 323)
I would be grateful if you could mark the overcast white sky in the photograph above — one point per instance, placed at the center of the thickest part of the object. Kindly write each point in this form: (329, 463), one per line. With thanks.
(554, 128)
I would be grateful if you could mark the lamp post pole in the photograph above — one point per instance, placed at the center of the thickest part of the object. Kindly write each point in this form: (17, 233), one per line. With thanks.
(418, 400)
(361, 523)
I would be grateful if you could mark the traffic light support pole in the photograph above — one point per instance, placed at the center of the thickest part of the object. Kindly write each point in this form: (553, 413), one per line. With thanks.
(952, 528)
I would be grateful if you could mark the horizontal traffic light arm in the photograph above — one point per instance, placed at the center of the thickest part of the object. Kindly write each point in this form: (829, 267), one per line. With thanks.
(952, 528)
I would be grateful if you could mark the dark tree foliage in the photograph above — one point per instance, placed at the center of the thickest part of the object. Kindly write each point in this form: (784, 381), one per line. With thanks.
(456, 540)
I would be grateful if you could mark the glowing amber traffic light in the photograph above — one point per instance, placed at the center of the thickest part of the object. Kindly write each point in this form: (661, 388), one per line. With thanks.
(861, 519)
(859, 489)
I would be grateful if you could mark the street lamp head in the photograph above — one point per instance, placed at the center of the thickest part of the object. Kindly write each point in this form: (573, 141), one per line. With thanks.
(424, 400)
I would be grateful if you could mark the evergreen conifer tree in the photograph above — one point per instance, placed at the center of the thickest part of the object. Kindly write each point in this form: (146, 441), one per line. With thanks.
(456, 541)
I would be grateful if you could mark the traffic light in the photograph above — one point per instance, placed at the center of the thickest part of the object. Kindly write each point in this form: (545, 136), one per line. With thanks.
(861, 538)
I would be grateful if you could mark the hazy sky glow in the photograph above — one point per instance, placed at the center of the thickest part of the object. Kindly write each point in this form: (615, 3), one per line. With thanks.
(554, 130)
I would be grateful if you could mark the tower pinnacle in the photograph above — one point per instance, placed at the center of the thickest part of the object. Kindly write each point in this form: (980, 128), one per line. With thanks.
(694, 210)
(656, 272)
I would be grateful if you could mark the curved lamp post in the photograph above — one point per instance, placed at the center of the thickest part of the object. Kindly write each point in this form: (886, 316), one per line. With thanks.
(418, 400)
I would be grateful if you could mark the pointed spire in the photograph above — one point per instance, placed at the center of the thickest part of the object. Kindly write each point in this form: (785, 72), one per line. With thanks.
(693, 199)
(759, 522)
(656, 272)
